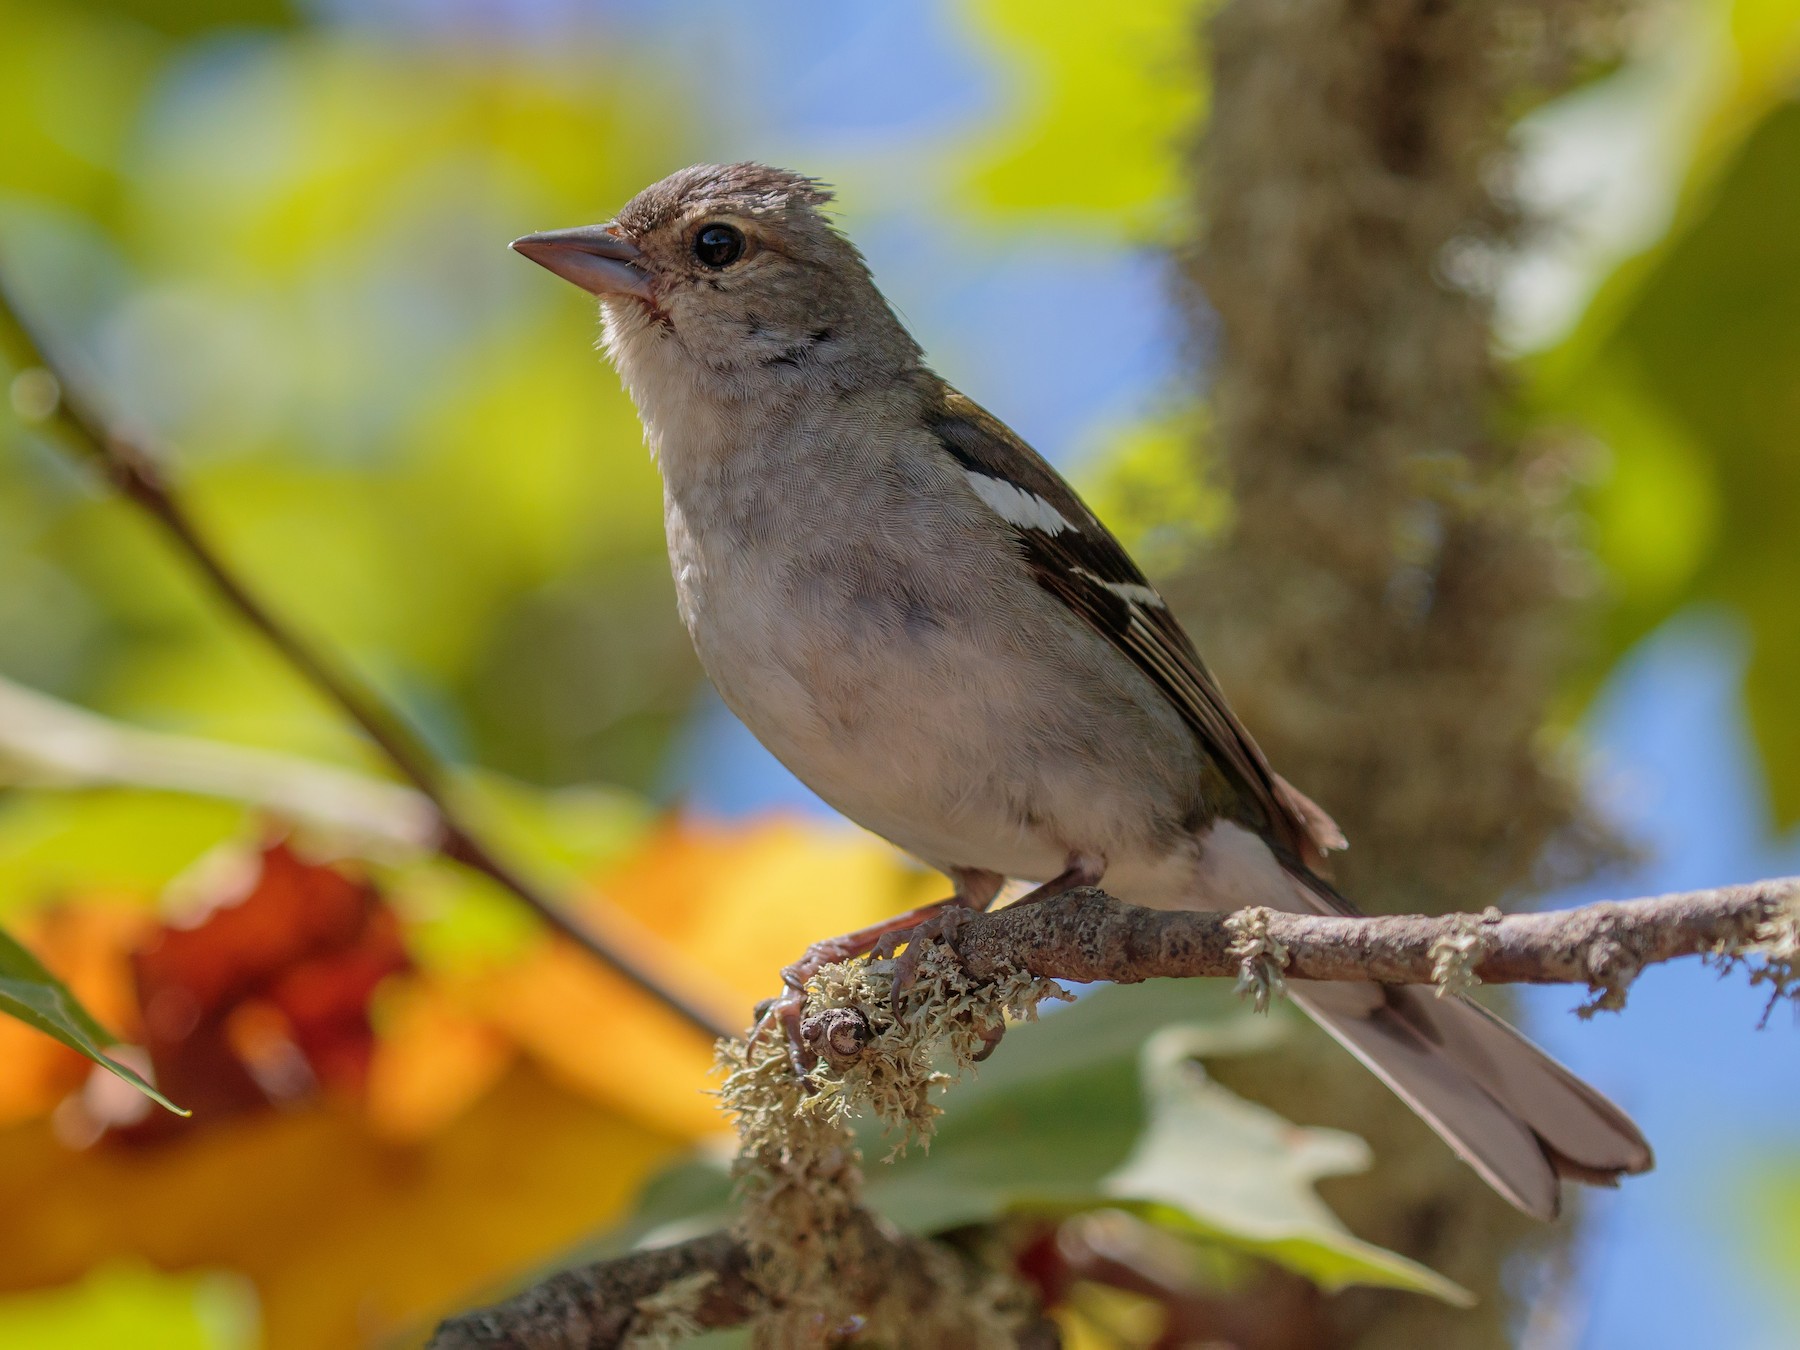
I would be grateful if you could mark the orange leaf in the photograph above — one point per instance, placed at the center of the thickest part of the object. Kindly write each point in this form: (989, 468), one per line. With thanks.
(87, 946)
(348, 1237)
(434, 1058)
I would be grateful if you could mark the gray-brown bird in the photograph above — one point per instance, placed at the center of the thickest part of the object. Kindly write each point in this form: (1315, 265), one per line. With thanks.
(921, 619)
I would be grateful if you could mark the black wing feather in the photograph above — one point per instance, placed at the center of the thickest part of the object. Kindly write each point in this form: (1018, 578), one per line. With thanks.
(1076, 565)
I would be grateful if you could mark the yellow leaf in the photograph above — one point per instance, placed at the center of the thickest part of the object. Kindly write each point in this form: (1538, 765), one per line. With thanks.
(348, 1237)
(1107, 108)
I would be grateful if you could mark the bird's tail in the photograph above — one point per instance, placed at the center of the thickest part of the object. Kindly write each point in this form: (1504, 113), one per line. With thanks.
(1510, 1111)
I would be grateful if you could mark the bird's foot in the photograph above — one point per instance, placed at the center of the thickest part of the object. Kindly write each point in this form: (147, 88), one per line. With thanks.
(1082, 869)
(941, 926)
(787, 1009)
(975, 891)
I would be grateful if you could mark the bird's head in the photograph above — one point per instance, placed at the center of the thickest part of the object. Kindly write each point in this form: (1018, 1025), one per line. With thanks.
(730, 280)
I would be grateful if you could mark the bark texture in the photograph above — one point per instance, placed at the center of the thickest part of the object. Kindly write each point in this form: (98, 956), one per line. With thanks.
(1085, 935)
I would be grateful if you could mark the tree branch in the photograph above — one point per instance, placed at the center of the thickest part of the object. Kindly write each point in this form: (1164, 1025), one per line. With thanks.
(599, 1306)
(44, 393)
(1087, 935)
(657, 1296)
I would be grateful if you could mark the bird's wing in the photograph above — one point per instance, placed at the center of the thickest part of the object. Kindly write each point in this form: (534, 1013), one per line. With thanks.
(1076, 559)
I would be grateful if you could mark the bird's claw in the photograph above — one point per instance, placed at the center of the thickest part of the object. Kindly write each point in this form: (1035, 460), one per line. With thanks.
(941, 926)
(786, 1010)
(990, 1041)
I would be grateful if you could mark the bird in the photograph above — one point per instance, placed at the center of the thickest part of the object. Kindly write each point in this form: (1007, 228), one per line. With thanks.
(919, 617)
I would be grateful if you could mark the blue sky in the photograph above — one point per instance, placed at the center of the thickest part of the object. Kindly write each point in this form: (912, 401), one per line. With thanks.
(1667, 1260)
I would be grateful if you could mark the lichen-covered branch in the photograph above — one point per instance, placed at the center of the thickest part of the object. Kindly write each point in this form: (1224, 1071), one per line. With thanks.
(1086, 935)
(694, 1285)
(133, 469)
(660, 1296)
(805, 1259)
(805, 1262)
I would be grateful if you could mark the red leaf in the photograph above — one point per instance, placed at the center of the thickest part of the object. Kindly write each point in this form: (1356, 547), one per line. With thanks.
(266, 999)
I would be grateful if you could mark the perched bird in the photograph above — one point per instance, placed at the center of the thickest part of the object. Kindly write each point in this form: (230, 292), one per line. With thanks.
(922, 620)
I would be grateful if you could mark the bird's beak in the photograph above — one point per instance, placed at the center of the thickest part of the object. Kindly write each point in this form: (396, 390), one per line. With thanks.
(592, 257)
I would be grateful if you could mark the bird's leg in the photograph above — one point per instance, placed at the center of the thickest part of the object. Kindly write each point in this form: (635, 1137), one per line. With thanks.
(1083, 869)
(975, 891)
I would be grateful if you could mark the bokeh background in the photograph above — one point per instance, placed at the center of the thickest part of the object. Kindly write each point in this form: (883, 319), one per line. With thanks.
(273, 234)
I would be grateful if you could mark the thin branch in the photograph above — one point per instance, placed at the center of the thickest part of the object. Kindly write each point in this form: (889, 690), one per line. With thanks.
(47, 743)
(131, 467)
(1086, 935)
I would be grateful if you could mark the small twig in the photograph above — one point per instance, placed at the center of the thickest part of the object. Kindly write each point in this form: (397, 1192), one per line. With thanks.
(130, 466)
(598, 1307)
(47, 743)
(1087, 935)
(615, 1305)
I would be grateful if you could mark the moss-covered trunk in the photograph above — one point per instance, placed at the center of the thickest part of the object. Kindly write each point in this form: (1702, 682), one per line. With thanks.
(1388, 607)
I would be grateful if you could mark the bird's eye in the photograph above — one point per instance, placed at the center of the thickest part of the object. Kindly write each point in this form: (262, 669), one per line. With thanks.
(719, 245)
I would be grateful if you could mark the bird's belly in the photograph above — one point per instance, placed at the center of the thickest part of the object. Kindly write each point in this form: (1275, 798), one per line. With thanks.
(957, 748)
(938, 802)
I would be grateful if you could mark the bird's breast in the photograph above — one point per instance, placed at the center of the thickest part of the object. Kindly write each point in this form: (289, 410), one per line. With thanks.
(888, 645)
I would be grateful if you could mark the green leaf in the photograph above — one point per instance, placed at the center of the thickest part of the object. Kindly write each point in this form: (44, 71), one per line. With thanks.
(1685, 365)
(1043, 1122)
(38, 999)
(1119, 98)
(1229, 1171)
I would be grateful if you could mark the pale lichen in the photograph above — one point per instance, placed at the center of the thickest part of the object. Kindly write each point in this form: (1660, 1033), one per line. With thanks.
(1777, 944)
(1261, 957)
(670, 1315)
(939, 1026)
(1611, 967)
(1455, 955)
(800, 1173)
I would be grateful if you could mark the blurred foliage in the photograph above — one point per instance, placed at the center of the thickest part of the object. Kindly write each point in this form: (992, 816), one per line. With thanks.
(129, 1304)
(279, 243)
(372, 1141)
(1105, 111)
(1769, 1211)
(288, 256)
(1686, 366)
